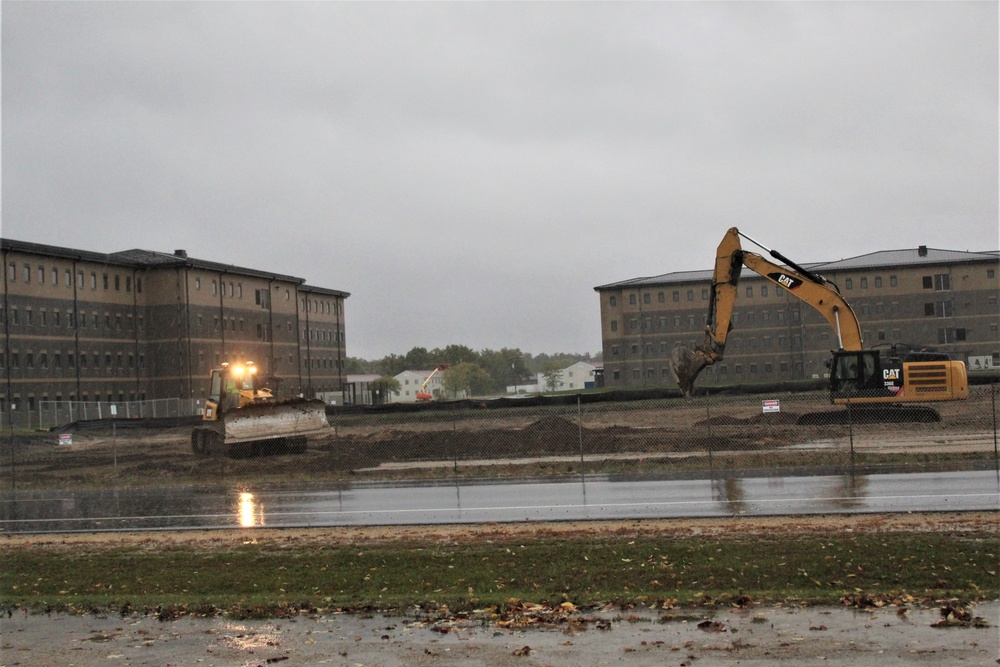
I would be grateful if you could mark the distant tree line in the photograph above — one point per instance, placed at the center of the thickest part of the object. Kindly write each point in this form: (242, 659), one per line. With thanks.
(476, 372)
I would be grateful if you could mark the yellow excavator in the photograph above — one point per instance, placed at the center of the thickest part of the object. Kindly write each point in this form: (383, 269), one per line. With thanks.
(859, 376)
(242, 418)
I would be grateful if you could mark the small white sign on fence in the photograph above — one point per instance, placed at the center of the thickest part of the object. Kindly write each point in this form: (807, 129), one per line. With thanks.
(65, 438)
(771, 405)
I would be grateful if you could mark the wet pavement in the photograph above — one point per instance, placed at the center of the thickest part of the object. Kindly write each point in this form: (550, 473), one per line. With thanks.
(888, 637)
(585, 498)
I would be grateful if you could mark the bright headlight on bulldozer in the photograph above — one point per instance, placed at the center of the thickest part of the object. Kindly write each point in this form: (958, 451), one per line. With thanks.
(238, 370)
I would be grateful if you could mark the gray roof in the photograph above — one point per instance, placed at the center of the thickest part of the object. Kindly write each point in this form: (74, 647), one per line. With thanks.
(145, 259)
(909, 257)
(880, 259)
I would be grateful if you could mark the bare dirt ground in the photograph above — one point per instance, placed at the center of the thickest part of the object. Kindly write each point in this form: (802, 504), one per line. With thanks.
(736, 432)
(757, 635)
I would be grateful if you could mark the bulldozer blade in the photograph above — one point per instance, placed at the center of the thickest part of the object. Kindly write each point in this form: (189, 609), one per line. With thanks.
(685, 365)
(284, 419)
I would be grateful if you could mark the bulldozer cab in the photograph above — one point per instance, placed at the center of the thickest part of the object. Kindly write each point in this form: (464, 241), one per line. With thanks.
(232, 387)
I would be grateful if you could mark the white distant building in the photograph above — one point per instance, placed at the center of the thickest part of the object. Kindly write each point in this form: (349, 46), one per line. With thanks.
(580, 375)
(410, 382)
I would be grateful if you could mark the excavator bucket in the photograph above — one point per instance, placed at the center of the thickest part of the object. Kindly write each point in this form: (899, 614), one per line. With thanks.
(290, 419)
(685, 365)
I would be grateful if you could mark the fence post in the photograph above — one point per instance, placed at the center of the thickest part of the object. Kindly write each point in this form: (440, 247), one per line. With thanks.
(579, 426)
(708, 419)
(996, 451)
(850, 431)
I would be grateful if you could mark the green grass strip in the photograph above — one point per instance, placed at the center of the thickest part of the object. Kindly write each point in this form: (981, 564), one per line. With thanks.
(270, 577)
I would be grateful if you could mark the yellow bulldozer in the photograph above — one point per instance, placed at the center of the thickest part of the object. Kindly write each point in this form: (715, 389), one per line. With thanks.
(242, 418)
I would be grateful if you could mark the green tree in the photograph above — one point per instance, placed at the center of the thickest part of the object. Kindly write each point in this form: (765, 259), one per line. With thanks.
(552, 373)
(419, 358)
(382, 388)
(468, 377)
(454, 354)
(506, 367)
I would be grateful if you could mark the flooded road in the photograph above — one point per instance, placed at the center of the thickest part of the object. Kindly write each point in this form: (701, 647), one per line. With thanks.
(748, 637)
(586, 498)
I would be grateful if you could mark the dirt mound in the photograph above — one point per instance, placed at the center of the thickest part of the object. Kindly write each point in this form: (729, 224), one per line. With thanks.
(552, 427)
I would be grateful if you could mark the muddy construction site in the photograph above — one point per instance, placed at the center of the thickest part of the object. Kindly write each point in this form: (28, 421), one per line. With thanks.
(657, 435)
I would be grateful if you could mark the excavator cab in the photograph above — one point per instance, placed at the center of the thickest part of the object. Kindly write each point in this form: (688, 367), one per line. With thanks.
(859, 373)
(866, 377)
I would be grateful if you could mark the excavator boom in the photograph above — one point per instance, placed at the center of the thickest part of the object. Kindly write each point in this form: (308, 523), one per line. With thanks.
(685, 364)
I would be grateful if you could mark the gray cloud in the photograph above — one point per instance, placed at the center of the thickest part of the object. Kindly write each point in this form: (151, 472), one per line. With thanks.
(470, 171)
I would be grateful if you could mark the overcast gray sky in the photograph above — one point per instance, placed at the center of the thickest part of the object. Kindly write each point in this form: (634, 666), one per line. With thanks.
(469, 172)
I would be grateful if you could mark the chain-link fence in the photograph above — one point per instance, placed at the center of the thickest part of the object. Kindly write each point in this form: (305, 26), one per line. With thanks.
(51, 414)
(794, 433)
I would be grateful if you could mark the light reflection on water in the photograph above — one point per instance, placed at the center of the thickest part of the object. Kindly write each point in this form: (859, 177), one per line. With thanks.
(251, 512)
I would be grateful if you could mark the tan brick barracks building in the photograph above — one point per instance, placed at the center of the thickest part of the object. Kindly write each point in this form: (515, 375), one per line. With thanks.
(137, 325)
(923, 298)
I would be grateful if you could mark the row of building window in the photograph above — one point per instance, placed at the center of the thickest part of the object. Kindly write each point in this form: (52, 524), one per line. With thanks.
(945, 335)
(932, 309)
(58, 318)
(40, 271)
(940, 282)
(723, 369)
(93, 360)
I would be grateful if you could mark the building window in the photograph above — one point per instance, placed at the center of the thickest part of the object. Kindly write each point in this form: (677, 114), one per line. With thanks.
(676, 296)
(614, 350)
(645, 298)
(631, 299)
(864, 283)
(41, 275)
(704, 294)
(93, 280)
(849, 283)
(27, 273)
(939, 309)
(690, 295)
(661, 297)
(118, 283)
(940, 282)
(104, 281)
(763, 290)
(991, 273)
(12, 272)
(878, 281)
(749, 290)
(128, 283)
(612, 300)
(614, 325)
(893, 281)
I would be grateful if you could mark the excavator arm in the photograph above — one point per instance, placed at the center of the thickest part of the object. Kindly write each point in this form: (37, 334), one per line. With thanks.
(685, 363)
